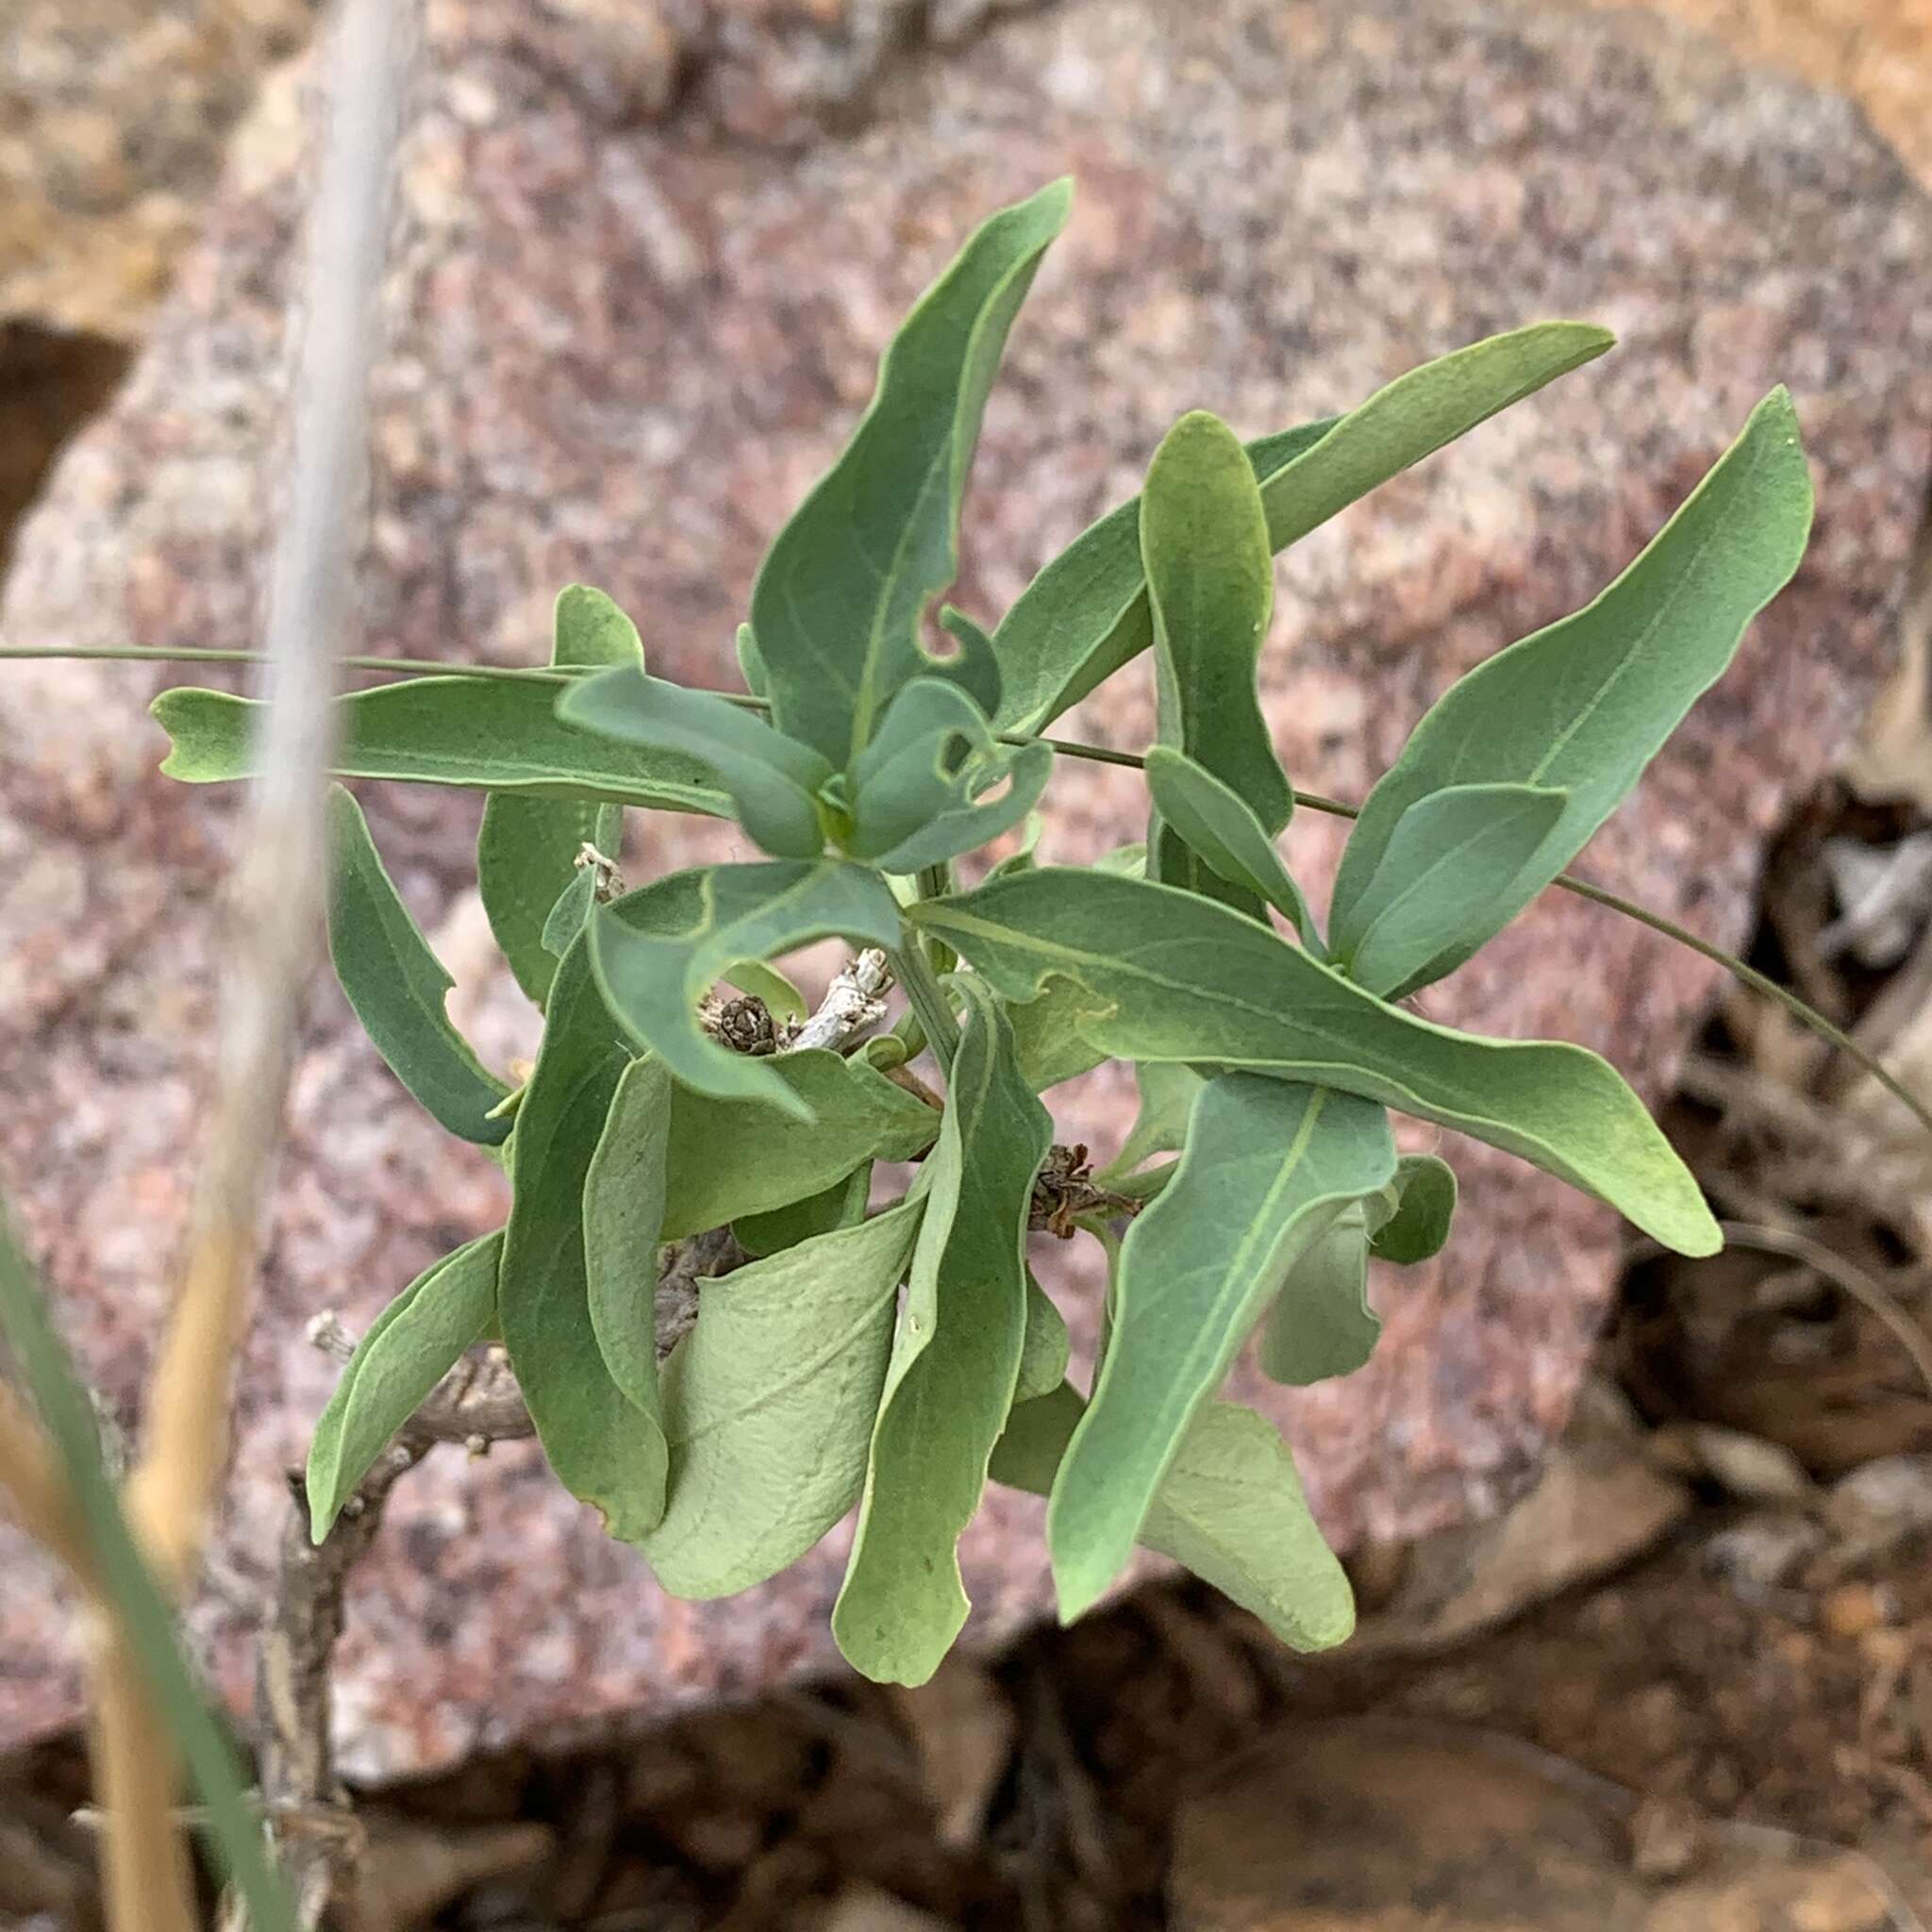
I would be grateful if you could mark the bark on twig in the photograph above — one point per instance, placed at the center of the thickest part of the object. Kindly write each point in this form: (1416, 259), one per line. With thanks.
(854, 1002)
(476, 1404)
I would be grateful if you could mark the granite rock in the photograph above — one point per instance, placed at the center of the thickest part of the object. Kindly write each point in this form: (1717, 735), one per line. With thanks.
(114, 116)
(625, 338)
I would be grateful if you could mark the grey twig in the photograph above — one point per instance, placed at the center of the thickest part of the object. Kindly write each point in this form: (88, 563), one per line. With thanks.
(854, 1003)
(476, 1404)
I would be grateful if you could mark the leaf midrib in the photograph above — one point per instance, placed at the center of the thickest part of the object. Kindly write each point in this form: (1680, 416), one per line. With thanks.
(1469, 1106)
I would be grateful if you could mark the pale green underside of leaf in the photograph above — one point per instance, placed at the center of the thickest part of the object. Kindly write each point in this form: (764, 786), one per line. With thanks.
(655, 953)
(1170, 977)
(734, 1158)
(1444, 882)
(624, 1210)
(839, 599)
(1231, 1510)
(1085, 614)
(1268, 1164)
(604, 1449)
(842, 1204)
(410, 1348)
(954, 1363)
(496, 733)
(1321, 1325)
(526, 848)
(398, 986)
(770, 1401)
(1586, 704)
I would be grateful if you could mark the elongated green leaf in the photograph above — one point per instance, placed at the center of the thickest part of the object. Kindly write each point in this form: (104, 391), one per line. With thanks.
(500, 734)
(1085, 614)
(397, 985)
(840, 598)
(1210, 587)
(769, 1402)
(409, 1349)
(1216, 822)
(1443, 884)
(1416, 415)
(1268, 1165)
(772, 780)
(842, 1204)
(1044, 1347)
(1424, 1206)
(526, 848)
(144, 1614)
(967, 826)
(1231, 1510)
(1168, 976)
(655, 952)
(604, 1448)
(955, 1364)
(1321, 1323)
(1586, 704)
(623, 1211)
(734, 1158)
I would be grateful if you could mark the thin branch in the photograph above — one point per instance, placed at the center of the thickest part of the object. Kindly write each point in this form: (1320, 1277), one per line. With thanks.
(1843, 1274)
(476, 1404)
(1773, 1237)
(396, 666)
(854, 1003)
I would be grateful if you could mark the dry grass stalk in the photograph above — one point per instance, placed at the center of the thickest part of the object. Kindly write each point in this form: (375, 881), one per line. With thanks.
(276, 905)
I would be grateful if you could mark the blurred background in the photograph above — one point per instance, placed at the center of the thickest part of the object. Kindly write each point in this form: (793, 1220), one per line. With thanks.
(1642, 1545)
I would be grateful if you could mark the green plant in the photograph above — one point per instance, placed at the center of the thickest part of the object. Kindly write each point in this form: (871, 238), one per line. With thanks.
(864, 763)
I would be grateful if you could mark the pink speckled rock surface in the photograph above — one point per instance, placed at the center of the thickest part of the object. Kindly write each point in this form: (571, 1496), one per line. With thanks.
(626, 337)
